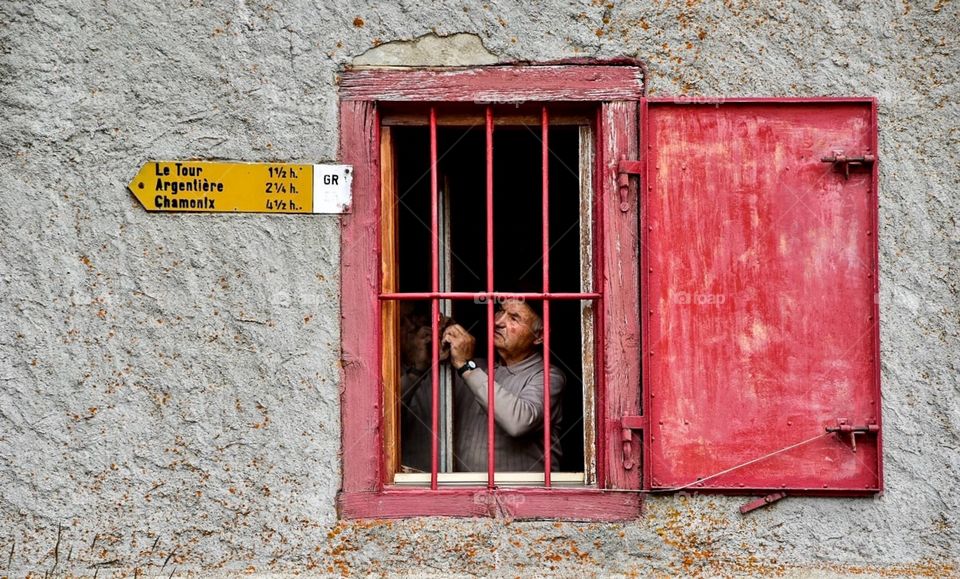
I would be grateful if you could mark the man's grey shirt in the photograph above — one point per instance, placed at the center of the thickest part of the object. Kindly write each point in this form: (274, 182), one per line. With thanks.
(518, 417)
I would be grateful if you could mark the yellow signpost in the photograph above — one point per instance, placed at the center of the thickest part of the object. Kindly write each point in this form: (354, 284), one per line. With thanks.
(223, 187)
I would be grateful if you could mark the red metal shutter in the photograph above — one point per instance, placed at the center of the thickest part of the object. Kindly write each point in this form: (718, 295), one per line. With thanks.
(759, 275)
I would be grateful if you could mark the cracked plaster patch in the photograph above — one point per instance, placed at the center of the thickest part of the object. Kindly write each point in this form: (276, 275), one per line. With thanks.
(461, 49)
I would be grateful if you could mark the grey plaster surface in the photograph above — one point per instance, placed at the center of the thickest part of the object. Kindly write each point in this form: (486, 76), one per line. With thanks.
(169, 394)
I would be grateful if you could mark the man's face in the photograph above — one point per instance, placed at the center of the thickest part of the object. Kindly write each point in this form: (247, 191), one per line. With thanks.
(513, 334)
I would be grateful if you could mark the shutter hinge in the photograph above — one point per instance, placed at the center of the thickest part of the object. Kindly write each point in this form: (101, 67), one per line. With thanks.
(627, 425)
(838, 158)
(844, 427)
(626, 168)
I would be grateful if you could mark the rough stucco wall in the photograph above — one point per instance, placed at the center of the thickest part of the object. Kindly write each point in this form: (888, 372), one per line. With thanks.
(169, 393)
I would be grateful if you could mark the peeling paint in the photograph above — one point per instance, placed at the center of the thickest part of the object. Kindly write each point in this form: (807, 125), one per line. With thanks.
(429, 50)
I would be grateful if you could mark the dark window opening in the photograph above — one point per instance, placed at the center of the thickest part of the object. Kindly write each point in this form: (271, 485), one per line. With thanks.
(517, 247)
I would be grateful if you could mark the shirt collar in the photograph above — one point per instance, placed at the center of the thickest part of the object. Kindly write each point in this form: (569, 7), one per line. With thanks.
(531, 360)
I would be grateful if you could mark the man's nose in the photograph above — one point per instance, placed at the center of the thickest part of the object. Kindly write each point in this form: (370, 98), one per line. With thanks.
(498, 319)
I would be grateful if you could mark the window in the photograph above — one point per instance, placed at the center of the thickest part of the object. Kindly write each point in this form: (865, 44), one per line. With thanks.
(754, 377)
(594, 109)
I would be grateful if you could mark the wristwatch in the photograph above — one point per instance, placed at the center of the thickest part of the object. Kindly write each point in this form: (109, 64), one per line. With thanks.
(470, 365)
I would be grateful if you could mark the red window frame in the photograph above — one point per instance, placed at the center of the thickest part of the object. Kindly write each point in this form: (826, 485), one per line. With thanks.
(616, 90)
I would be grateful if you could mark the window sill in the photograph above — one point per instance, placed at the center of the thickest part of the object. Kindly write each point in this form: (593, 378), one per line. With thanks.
(582, 504)
(501, 479)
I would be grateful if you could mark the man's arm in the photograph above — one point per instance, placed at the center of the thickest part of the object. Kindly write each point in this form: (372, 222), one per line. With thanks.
(519, 409)
(414, 360)
(518, 406)
(411, 381)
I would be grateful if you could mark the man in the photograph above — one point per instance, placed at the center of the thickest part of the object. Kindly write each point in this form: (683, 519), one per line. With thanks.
(518, 397)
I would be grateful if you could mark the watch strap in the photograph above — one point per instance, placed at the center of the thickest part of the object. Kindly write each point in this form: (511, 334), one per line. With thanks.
(470, 365)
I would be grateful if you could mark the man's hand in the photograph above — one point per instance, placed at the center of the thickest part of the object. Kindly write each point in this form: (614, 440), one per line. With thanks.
(461, 343)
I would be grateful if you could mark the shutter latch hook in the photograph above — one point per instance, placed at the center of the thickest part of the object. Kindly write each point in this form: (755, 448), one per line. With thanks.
(838, 158)
(843, 427)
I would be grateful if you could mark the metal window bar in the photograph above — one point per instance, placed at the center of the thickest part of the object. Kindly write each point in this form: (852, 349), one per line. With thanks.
(435, 304)
(545, 154)
(497, 296)
(491, 368)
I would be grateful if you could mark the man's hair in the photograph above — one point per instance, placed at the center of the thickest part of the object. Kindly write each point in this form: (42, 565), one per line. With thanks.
(537, 325)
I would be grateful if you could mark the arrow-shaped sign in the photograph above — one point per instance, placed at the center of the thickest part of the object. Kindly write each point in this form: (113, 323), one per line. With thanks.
(217, 187)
